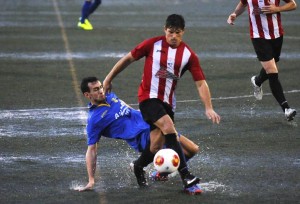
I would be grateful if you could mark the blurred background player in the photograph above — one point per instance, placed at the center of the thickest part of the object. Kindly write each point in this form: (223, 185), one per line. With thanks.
(266, 33)
(87, 9)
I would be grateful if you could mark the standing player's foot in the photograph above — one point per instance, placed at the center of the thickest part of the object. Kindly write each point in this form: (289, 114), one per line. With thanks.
(190, 180)
(290, 113)
(139, 174)
(86, 25)
(258, 92)
(193, 190)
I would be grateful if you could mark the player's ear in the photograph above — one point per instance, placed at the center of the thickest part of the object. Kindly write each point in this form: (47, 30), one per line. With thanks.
(86, 94)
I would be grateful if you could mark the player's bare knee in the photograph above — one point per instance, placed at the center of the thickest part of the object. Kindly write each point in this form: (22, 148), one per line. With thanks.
(166, 125)
(195, 149)
(155, 147)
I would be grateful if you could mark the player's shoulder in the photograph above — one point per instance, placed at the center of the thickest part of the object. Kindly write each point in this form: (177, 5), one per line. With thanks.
(111, 95)
(192, 53)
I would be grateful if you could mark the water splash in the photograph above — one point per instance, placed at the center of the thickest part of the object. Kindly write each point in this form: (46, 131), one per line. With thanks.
(213, 186)
(76, 185)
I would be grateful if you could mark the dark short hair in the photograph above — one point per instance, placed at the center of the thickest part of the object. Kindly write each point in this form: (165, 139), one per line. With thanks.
(84, 83)
(175, 21)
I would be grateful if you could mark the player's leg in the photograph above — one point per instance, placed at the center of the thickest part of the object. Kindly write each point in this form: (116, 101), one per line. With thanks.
(83, 21)
(272, 48)
(85, 10)
(188, 146)
(149, 111)
(166, 125)
(157, 140)
(158, 113)
(268, 53)
(94, 6)
(260, 47)
(163, 118)
(276, 88)
(189, 149)
(154, 143)
(261, 77)
(275, 85)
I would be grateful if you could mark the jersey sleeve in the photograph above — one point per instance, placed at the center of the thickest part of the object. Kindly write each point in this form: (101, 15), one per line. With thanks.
(195, 68)
(144, 48)
(96, 125)
(93, 133)
(140, 50)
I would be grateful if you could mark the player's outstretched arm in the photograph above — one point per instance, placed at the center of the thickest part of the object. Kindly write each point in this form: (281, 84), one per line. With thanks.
(119, 67)
(91, 159)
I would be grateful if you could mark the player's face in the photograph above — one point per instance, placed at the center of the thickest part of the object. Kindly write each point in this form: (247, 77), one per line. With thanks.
(96, 94)
(174, 36)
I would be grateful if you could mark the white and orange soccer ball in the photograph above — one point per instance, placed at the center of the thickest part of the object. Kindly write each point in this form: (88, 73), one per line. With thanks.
(166, 161)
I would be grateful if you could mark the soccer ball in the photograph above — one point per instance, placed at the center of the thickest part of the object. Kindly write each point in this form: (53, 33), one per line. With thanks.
(166, 161)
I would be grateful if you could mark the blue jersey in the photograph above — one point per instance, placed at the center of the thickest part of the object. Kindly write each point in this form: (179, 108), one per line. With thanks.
(117, 120)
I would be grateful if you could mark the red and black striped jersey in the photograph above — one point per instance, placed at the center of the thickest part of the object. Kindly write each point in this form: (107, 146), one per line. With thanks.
(163, 68)
(267, 26)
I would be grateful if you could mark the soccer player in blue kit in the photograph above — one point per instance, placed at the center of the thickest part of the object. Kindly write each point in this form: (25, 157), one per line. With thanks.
(113, 118)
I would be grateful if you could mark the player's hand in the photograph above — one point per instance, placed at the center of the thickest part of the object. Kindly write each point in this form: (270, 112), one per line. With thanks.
(231, 19)
(213, 116)
(257, 11)
(269, 9)
(107, 86)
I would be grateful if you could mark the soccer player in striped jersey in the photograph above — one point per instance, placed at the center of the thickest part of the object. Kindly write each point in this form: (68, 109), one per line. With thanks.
(111, 117)
(167, 58)
(266, 33)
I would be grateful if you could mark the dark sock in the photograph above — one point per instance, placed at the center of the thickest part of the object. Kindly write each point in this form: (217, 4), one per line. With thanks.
(261, 78)
(172, 143)
(145, 158)
(94, 6)
(284, 105)
(85, 11)
(277, 91)
(187, 158)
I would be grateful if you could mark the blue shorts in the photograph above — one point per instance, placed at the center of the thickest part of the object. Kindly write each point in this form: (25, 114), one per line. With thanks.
(140, 142)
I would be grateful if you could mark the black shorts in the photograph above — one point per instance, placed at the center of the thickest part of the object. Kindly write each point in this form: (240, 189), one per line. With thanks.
(267, 49)
(153, 109)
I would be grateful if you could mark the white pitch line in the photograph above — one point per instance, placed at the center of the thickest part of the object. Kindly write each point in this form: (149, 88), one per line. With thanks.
(236, 97)
(136, 104)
